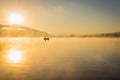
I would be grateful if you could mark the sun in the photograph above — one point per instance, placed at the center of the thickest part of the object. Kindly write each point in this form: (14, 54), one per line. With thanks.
(15, 18)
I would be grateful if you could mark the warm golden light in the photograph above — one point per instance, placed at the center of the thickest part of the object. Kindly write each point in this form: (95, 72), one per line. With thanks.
(15, 18)
(14, 56)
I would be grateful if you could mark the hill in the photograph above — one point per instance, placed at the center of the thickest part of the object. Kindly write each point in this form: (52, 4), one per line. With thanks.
(105, 35)
(114, 34)
(20, 31)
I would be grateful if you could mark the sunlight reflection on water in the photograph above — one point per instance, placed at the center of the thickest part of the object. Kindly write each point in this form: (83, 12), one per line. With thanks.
(14, 56)
(59, 59)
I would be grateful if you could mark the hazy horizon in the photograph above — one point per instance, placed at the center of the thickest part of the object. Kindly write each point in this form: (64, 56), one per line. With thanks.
(65, 16)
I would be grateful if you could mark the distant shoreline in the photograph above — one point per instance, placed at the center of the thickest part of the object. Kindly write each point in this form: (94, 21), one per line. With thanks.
(16, 31)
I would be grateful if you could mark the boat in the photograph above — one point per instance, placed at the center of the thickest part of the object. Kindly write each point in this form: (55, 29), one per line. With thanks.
(46, 38)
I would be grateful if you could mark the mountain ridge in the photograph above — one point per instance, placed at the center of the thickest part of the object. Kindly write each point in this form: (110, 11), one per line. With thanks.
(20, 31)
(112, 34)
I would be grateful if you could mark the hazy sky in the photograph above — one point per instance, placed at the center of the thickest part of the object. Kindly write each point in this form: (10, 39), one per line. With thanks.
(65, 16)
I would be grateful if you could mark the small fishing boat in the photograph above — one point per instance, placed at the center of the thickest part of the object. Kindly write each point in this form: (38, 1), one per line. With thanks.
(46, 38)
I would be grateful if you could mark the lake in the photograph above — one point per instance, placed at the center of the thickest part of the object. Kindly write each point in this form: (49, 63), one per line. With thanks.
(60, 59)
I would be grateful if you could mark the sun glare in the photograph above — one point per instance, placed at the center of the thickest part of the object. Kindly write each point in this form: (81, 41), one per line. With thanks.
(15, 18)
(14, 56)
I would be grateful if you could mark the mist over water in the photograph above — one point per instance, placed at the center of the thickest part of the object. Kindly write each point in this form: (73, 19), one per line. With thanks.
(60, 59)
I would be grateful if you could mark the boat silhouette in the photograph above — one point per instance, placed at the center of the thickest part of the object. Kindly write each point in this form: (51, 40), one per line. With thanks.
(46, 38)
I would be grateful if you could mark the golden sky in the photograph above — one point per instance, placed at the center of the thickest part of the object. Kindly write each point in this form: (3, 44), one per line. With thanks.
(65, 16)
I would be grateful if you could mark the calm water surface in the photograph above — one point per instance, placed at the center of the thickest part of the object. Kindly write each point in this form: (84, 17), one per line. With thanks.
(60, 59)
